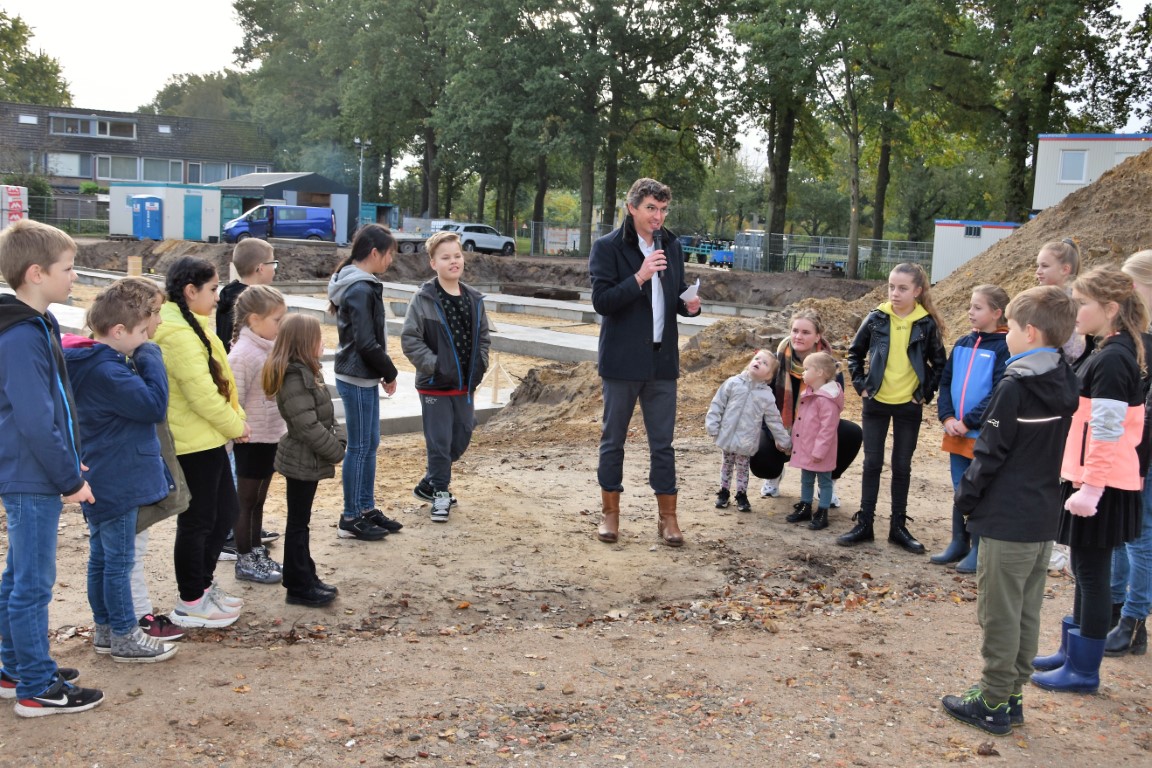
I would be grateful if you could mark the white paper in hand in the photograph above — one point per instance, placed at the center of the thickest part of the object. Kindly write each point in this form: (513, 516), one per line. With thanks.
(693, 289)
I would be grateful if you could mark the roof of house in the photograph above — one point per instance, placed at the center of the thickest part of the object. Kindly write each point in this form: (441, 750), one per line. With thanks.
(274, 183)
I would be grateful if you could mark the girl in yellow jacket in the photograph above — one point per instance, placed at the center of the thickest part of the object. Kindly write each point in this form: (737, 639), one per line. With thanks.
(204, 414)
(1101, 471)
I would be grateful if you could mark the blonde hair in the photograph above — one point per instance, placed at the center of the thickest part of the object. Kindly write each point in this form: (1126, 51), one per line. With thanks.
(771, 359)
(27, 244)
(1066, 251)
(437, 240)
(297, 341)
(1138, 266)
(920, 279)
(249, 254)
(1109, 284)
(811, 316)
(256, 300)
(126, 302)
(823, 363)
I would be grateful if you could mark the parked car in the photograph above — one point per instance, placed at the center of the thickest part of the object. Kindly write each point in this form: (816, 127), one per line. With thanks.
(294, 221)
(481, 237)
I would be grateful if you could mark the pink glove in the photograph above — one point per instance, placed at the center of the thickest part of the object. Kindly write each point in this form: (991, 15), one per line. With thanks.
(1083, 502)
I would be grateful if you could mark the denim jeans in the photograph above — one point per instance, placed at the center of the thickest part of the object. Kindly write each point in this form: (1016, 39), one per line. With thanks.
(141, 600)
(362, 418)
(111, 551)
(905, 420)
(1132, 566)
(958, 465)
(26, 590)
(823, 480)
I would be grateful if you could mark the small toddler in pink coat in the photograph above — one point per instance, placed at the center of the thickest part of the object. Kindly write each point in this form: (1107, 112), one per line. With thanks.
(814, 437)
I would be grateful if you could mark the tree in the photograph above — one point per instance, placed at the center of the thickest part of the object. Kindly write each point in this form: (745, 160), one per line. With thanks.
(218, 95)
(27, 77)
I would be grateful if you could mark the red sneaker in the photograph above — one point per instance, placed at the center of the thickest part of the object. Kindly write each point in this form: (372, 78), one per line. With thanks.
(160, 626)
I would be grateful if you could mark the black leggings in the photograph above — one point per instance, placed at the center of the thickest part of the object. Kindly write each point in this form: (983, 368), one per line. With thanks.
(203, 527)
(299, 570)
(905, 420)
(1092, 604)
(767, 463)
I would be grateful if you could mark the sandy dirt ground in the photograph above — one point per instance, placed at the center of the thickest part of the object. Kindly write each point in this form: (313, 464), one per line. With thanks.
(511, 636)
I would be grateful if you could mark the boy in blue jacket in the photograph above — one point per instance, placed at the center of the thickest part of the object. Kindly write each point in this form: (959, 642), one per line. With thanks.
(121, 394)
(39, 464)
(1011, 498)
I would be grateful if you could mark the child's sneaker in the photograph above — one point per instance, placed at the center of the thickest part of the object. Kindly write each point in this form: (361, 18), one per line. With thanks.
(202, 613)
(61, 698)
(273, 566)
(223, 599)
(8, 683)
(137, 648)
(770, 488)
(380, 520)
(102, 638)
(441, 506)
(249, 567)
(267, 537)
(426, 492)
(971, 709)
(229, 550)
(160, 627)
(360, 528)
(1016, 709)
(742, 504)
(722, 498)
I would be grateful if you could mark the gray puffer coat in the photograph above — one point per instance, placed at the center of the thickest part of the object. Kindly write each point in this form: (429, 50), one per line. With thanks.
(314, 443)
(736, 412)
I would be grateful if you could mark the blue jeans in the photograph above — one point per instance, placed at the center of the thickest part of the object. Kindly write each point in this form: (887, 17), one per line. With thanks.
(26, 590)
(362, 418)
(958, 465)
(112, 550)
(1132, 566)
(808, 479)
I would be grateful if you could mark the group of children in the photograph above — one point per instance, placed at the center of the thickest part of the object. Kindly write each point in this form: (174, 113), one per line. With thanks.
(1043, 411)
(135, 422)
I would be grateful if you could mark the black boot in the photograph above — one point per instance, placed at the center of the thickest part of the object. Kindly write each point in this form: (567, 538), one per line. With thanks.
(1129, 636)
(898, 534)
(960, 544)
(819, 520)
(801, 510)
(862, 531)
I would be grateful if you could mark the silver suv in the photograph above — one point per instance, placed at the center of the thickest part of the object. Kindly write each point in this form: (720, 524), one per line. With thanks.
(481, 237)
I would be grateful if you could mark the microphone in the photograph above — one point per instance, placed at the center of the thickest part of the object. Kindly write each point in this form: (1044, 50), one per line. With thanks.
(658, 244)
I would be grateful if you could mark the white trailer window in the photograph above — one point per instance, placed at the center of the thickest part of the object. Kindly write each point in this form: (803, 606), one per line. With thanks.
(1073, 166)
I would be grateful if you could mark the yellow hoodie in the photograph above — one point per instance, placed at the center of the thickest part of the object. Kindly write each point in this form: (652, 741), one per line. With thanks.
(199, 417)
(900, 380)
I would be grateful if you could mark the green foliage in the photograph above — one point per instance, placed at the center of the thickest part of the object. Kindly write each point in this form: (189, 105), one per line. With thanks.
(92, 188)
(218, 95)
(39, 192)
(27, 77)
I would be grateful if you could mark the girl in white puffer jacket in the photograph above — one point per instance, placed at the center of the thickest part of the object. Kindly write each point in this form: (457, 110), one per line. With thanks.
(741, 404)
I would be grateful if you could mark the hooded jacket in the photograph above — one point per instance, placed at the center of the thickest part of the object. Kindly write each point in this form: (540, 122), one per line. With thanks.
(736, 412)
(314, 443)
(626, 350)
(247, 359)
(814, 430)
(977, 362)
(427, 342)
(200, 419)
(39, 436)
(1011, 492)
(362, 351)
(119, 401)
(925, 353)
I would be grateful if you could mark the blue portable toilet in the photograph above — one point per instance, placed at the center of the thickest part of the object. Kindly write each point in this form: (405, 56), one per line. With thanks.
(147, 217)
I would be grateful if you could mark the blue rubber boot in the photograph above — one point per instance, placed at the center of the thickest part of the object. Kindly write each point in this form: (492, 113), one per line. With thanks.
(1056, 660)
(968, 564)
(959, 546)
(1081, 671)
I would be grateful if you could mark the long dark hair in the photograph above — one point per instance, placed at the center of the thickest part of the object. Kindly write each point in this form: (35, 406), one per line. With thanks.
(367, 237)
(196, 273)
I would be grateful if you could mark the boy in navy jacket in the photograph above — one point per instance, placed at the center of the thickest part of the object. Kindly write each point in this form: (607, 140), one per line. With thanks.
(39, 464)
(121, 394)
(1011, 497)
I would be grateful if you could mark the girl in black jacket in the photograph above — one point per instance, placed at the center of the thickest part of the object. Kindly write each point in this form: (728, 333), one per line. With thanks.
(895, 361)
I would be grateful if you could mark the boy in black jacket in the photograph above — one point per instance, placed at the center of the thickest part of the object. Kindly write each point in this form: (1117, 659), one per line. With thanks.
(1011, 497)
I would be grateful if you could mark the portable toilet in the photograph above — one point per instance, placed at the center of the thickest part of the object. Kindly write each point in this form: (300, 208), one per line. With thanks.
(147, 217)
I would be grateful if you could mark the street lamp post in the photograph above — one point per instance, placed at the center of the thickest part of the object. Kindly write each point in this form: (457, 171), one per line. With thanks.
(360, 186)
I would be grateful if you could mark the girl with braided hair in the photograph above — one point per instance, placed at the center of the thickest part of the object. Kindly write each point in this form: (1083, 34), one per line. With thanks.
(204, 413)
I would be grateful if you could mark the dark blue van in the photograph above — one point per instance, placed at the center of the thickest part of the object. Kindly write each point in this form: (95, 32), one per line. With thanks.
(294, 221)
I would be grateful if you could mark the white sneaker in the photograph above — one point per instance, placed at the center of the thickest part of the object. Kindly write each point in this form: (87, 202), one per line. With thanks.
(204, 612)
(770, 488)
(834, 503)
(223, 599)
(441, 504)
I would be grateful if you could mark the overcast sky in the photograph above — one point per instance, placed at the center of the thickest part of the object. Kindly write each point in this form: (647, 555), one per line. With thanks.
(116, 54)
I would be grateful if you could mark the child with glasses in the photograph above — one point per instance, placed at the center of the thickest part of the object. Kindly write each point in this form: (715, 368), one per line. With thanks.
(255, 264)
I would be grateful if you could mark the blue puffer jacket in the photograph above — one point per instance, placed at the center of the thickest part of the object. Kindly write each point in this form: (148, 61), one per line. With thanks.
(120, 402)
(973, 369)
(39, 440)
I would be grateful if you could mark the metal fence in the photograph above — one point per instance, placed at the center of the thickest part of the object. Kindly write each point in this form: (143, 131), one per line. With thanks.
(828, 255)
(75, 214)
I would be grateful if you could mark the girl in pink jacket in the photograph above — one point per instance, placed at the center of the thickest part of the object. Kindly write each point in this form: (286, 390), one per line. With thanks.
(814, 436)
(259, 311)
